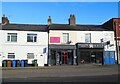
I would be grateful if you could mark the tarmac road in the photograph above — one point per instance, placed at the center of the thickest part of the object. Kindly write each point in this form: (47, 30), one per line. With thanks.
(81, 73)
(103, 78)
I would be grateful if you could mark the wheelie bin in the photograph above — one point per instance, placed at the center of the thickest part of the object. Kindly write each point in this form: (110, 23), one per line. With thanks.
(22, 63)
(18, 63)
(35, 63)
(9, 63)
(14, 63)
(4, 63)
(26, 63)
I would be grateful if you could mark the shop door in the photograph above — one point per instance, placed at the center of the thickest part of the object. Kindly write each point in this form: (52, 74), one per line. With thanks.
(93, 57)
(109, 57)
(112, 57)
(64, 57)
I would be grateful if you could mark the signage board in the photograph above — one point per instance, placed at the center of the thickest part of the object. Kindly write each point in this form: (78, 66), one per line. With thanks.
(90, 45)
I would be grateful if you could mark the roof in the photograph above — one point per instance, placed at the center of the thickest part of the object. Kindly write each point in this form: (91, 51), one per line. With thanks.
(77, 27)
(25, 27)
(44, 28)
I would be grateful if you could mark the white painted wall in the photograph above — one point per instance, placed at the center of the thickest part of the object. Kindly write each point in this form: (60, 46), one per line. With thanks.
(22, 47)
(79, 36)
(56, 33)
(96, 37)
(1, 33)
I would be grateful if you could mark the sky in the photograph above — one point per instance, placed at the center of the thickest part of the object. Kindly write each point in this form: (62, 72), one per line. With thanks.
(60, 0)
(38, 12)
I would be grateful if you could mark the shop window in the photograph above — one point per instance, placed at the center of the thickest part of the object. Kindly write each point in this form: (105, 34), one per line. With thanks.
(31, 37)
(30, 55)
(11, 55)
(12, 37)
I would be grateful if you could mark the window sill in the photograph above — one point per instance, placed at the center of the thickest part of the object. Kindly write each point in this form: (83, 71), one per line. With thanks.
(10, 42)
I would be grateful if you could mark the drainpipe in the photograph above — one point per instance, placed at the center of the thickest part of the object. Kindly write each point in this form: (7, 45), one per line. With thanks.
(48, 48)
(116, 43)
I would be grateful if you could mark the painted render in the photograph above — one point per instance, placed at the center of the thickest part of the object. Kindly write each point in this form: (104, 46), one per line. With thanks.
(22, 47)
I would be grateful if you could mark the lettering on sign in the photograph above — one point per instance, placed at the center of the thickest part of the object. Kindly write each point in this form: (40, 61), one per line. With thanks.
(91, 46)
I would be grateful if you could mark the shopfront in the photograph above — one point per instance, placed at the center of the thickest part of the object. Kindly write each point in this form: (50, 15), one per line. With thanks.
(62, 54)
(89, 53)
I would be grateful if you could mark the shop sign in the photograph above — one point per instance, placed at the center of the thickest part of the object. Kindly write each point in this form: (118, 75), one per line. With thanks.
(90, 45)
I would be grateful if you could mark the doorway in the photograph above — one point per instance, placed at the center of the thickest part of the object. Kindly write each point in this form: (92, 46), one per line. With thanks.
(62, 57)
(91, 56)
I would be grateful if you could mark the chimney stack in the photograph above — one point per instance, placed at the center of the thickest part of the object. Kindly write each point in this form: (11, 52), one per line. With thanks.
(72, 20)
(49, 20)
(5, 20)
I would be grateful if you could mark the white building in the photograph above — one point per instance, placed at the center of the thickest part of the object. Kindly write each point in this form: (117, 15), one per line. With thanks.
(72, 43)
(64, 43)
(24, 42)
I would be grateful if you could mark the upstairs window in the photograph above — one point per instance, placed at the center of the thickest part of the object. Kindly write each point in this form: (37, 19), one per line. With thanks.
(87, 38)
(65, 37)
(31, 37)
(12, 37)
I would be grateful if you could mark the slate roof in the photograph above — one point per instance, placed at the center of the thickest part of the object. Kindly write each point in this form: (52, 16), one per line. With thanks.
(44, 28)
(77, 27)
(25, 27)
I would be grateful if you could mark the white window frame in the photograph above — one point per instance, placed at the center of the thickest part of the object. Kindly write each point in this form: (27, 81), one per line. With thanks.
(11, 54)
(65, 37)
(10, 36)
(33, 37)
(28, 56)
(87, 39)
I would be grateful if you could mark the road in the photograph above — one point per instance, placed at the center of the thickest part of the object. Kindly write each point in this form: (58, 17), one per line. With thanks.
(81, 73)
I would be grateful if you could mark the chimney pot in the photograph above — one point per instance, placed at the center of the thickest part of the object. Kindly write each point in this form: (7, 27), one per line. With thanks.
(5, 20)
(49, 20)
(72, 20)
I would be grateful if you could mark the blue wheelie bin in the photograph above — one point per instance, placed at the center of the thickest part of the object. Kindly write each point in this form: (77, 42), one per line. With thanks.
(14, 63)
(22, 63)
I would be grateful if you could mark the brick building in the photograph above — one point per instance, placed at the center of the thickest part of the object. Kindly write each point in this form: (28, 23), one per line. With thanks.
(114, 24)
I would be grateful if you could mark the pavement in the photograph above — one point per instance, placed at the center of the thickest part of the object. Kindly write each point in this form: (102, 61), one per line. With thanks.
(89, 72)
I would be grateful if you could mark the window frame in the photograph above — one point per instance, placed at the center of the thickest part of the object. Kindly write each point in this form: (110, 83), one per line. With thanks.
(11, 36)
(87, 40)
(31, 55)
(32, 37)
(12, 54)
(65, 38)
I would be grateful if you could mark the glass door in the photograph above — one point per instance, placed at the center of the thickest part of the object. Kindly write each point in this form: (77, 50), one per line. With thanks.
(93, 57)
